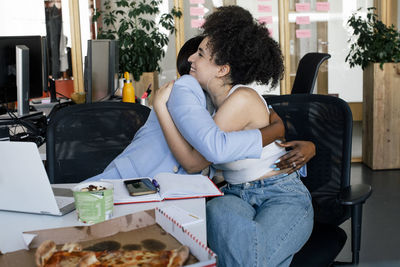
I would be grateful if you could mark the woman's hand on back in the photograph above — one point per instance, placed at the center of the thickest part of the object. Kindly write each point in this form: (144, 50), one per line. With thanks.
(301, 152)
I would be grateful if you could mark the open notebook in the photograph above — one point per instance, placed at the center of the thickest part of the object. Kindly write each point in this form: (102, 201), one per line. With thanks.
(172, 186)
(24, 185)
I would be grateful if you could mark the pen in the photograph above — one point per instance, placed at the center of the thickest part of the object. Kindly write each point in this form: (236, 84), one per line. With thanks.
(148, 87)
(154, 182)
(144, 95)
(148, 92)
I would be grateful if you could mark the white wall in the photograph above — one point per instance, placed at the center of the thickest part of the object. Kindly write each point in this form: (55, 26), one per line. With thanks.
(343, 80)
(22, 17)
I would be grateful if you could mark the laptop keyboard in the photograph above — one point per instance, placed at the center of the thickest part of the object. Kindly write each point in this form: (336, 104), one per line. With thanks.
(64, 201)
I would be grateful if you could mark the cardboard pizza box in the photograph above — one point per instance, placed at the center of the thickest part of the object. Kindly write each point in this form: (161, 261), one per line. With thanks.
(176, 222)
(134, 231)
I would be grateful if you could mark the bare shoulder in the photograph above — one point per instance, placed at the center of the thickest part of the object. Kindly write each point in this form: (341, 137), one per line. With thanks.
(245, 96)
(248, 102)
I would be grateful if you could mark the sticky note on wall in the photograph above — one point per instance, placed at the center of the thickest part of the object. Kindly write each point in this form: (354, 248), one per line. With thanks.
(197, 1)
(302, 7)
(302, 20)
(264, 8)
(196, 23)
(197, 11)
(266, 20)
(323, 6)
(303, 33)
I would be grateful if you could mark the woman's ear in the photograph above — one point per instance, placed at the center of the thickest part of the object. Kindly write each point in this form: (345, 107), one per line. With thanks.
(223, 70)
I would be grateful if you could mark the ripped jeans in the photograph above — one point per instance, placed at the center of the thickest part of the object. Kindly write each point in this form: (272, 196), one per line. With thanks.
(260, 223)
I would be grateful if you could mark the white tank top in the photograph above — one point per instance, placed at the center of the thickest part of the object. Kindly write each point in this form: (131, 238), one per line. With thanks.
(247, 170)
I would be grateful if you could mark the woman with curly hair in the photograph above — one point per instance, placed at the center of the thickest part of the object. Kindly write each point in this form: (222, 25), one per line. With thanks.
(266, 215)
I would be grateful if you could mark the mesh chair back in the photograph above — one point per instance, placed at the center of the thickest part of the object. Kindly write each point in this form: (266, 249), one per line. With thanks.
(327, 122)
(307, 72)
(83, 139)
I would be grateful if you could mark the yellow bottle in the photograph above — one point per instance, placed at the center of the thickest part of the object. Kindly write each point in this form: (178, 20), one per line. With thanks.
(128, 92)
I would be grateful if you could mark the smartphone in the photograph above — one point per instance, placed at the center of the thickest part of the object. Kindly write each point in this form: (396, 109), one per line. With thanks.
(139, 187)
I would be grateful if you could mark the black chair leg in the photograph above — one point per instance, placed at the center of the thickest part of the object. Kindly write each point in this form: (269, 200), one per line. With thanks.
(356, 215)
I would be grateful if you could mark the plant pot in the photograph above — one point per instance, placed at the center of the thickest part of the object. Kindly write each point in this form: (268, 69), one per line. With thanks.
(381, 118)
(147, 79)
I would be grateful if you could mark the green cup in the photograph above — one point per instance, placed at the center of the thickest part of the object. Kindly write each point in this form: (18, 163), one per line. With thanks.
(94, 206)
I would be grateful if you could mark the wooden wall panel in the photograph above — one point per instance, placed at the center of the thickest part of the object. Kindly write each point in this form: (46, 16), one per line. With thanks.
(381, 127)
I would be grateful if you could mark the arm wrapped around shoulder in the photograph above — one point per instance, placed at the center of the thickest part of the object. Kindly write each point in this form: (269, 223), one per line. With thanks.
(187, 106)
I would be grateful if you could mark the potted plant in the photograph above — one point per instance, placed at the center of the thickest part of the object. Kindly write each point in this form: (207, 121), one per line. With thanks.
(372, 41)
(376, 48)
(141, 39)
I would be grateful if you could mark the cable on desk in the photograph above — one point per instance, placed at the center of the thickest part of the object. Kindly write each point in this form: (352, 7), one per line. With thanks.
(62, 96)
(29, 131)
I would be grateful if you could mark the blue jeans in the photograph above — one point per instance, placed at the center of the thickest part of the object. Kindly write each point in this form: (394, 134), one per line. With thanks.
(261, 223)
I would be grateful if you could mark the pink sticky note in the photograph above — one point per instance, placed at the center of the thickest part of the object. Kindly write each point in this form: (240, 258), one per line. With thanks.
(323, 6)
(197, 1)
(264, 8)
(303, 33)
(301, 7)
(197, 23)
(266, 20)
(302, 20)
(196, 11)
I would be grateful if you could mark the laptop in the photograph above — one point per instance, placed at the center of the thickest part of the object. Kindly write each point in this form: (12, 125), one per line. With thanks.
(24, 185)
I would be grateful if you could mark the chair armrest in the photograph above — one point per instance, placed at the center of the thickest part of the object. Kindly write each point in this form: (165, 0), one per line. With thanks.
(355, 194)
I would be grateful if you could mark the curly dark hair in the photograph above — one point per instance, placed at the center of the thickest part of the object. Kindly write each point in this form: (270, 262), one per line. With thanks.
(236, 39)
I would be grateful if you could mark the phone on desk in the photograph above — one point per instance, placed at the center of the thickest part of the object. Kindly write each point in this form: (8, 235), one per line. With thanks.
(139, 187)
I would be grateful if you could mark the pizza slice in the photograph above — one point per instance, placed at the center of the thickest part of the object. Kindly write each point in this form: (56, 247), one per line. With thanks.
(71, 254)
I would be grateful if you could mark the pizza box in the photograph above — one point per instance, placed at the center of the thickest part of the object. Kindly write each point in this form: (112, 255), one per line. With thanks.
(155, 229)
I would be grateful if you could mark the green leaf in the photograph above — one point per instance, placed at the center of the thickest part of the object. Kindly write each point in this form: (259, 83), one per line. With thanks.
(372, 41)
(140, 38)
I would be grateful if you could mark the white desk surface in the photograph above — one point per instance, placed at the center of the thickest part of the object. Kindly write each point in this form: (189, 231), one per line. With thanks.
(12, 224)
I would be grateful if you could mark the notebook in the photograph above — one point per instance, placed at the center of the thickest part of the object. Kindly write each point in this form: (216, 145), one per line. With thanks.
(24, 185)
(171, 186)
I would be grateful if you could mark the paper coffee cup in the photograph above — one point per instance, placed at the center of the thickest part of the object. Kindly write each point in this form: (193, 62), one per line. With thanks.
(94, 206)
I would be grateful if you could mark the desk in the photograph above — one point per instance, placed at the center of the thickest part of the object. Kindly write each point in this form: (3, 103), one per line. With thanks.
(12, 224)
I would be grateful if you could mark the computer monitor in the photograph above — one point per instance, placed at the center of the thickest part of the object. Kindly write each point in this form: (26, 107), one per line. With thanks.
(101, 69)
(37, 66)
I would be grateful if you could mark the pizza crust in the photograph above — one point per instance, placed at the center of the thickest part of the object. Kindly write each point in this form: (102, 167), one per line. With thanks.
(44, 252)
(71, 254)
(180, 256)
(88, 260)
(71, 247)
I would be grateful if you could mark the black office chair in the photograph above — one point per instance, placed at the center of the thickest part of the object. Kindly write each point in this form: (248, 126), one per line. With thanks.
(307, 72)
(83, 139)
(327, 122)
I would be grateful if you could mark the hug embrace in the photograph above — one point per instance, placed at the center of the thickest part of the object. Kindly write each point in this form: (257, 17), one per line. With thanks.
(266, 215)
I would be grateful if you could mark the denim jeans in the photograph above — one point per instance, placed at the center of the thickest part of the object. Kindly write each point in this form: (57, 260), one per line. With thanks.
(260, 223)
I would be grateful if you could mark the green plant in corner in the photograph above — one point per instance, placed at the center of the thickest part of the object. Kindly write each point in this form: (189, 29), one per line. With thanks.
(373, 41)
(141, 40)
